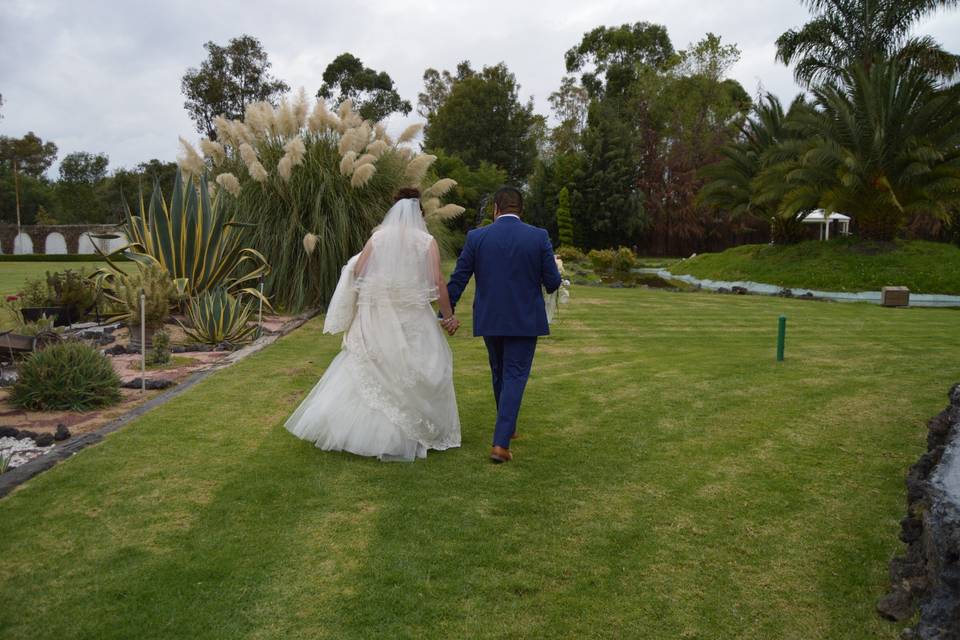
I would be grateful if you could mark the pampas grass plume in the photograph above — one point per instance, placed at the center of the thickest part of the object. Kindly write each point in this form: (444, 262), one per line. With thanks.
(409, 133)
(229, 182)
(190, 161)
(346, 163)
(417, 168)
(362, 175)
(309, 243)
(441, 187)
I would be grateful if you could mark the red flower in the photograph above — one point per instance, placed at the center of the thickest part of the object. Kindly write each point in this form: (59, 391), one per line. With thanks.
(12, 298)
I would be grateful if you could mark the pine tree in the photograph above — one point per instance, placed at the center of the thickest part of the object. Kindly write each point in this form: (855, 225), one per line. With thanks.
(564, 223)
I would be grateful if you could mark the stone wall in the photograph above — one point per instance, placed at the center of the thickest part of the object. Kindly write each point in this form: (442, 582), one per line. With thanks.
(56, 239)
(928, 576)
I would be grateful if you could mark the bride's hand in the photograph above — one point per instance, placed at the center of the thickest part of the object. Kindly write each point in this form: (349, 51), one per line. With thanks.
(451, 324)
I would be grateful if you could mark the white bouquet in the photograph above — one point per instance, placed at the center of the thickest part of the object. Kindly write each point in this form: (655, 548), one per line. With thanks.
(552, 301)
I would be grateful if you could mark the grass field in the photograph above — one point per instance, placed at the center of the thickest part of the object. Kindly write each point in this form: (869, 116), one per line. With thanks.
(838, 265)
(672, 481)
(14, 274)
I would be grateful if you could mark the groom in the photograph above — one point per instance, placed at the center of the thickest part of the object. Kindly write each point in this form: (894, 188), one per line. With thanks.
(511, 260)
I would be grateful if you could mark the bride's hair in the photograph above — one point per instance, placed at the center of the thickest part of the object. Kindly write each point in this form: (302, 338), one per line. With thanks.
(406, 192)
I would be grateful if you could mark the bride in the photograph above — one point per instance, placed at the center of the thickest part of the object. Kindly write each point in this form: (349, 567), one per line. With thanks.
(389, 392)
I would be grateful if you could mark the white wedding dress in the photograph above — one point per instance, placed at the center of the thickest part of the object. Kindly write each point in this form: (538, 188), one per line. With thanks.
(389, 393)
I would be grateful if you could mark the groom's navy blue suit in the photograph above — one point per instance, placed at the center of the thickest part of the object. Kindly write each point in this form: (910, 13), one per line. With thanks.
(510, 260)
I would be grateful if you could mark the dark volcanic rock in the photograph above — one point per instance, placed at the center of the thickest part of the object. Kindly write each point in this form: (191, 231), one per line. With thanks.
(739, 290)
(44, 439)
(62, 432)
(928, 575)
(152, 384)
(26, 434)
(896, 605)
(785, 293)
(116, 350)
(8, 432)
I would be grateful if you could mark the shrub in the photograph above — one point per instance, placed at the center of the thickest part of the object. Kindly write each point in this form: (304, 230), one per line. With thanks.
(161, 348)
(217, 317)
(70, 376)
(602, 259)
(569, 253)
(34, 293)
(624, 260)
(161, 296)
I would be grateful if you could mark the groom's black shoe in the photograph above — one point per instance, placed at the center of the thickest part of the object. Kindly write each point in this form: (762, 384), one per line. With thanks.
(499, 455)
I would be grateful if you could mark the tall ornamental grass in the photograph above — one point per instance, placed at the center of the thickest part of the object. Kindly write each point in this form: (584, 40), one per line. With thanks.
(313, 183)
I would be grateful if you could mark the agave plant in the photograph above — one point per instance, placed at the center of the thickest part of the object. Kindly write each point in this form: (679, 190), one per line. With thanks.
(216, 316)
(191, 237)
(311, 179)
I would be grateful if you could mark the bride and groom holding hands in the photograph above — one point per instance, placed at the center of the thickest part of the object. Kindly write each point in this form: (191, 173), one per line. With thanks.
(389, 392)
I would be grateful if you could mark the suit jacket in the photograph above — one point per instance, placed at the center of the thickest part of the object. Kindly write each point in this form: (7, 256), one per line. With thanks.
(510, 260)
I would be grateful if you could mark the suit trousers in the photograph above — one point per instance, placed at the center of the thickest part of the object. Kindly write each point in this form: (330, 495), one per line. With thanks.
(510, 360)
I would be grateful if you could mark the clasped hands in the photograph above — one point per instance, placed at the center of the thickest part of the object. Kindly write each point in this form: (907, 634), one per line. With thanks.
(450, 325)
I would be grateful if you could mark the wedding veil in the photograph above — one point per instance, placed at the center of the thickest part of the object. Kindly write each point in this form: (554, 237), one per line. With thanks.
(400, 267)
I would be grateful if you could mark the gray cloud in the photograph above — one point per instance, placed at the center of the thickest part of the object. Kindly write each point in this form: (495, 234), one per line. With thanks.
(105, 76)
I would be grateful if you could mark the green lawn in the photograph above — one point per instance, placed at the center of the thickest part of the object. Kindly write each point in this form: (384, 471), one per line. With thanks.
(837, 265)
(14, 274)
(672, 481)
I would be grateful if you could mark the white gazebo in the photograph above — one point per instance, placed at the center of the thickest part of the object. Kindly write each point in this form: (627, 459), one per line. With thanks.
(822, 218)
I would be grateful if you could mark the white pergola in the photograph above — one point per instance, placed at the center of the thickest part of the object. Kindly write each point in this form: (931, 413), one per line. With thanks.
(822, 218)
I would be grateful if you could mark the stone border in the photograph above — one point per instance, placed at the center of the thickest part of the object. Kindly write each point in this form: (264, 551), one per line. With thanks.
(928, 575)
(15, 477)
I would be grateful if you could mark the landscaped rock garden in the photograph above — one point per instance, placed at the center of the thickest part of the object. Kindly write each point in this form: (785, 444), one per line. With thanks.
(927, 577)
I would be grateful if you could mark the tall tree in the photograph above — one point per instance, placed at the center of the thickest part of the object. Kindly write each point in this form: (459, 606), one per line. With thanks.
(733, 184)
(373, 93)
(863, 32)
(612, 57)
(881, 146)
(437, 86)
(29, 156)
(569, 104)
(227, 81)
(481, 119)
(80, 175)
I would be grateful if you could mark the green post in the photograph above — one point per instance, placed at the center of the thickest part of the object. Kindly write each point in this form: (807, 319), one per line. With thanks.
(781, 337)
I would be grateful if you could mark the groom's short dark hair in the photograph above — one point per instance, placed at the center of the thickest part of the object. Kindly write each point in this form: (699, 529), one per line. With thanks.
(508, 200)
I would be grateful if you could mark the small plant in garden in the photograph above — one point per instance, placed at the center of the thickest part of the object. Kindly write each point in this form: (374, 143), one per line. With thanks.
(5, 458)
(216, 317)
(34, 293)
(69, 376)
(569, 253)
(624, 260)
(72, 289)
(602, 259)
(161, 348)
(160, 292)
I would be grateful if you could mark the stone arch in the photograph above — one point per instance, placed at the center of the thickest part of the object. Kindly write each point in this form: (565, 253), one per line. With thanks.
(85, 244)
(22, 244)
(55, 244)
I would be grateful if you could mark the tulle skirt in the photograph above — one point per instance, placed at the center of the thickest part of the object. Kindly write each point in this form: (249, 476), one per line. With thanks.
(395, 406)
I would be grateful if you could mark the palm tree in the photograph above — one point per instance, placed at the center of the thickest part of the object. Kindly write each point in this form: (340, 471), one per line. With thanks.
(881, 146)
(863, 32)
(732, 182)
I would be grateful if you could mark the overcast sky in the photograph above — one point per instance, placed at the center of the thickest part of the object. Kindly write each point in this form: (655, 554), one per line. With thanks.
(104, 76)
